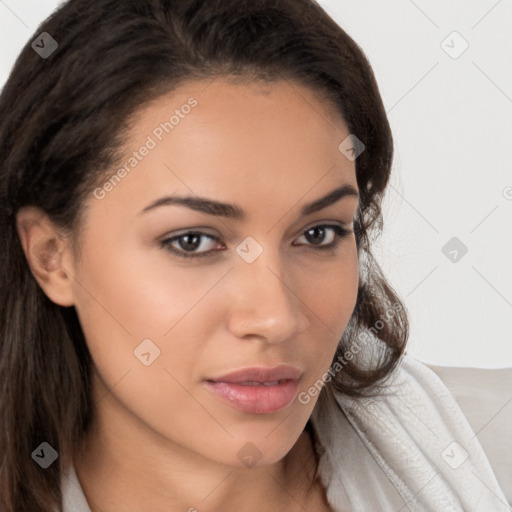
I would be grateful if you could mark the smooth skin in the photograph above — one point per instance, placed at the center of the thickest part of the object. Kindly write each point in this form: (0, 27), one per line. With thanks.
(161, 440)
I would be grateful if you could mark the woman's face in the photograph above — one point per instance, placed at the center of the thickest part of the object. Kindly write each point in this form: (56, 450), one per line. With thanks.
(259, 289)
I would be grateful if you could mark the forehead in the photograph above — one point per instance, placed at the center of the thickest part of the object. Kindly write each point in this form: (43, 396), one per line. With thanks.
(234, 141)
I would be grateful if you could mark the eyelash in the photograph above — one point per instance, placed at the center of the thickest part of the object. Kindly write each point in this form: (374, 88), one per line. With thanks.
(340, 232)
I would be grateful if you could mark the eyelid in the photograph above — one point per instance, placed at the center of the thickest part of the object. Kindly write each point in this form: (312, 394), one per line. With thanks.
(327, 222)
(342, 231)
(207, 231)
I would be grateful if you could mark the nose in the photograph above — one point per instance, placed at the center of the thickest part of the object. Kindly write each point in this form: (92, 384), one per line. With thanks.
(266, 302)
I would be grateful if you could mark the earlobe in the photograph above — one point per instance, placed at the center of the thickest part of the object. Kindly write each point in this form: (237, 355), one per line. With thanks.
(44, 248)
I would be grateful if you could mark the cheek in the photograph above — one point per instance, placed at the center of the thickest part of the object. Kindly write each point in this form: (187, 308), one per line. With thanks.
(331, 295)
(138, 291)
(330, 290)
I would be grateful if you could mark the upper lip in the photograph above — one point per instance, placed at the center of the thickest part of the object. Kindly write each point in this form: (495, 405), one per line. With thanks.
(260, 374)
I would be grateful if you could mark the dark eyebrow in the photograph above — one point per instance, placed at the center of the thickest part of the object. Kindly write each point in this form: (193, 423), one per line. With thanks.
(233, 211)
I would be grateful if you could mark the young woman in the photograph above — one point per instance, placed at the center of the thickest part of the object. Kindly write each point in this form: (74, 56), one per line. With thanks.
(192, 318)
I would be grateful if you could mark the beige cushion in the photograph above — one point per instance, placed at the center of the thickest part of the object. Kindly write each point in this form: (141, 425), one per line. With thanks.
(485, 397)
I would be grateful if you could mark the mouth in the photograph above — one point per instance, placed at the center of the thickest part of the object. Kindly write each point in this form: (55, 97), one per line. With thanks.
(258, 389)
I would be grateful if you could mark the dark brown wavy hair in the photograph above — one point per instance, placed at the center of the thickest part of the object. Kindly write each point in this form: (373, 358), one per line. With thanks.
(63, 123)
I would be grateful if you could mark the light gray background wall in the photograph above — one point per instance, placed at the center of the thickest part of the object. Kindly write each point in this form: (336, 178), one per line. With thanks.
(450, 110)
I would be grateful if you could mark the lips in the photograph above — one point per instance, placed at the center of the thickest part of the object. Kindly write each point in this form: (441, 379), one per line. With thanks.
(257, 390)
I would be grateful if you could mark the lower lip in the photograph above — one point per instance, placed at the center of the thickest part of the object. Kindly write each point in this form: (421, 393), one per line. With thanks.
(256, 399)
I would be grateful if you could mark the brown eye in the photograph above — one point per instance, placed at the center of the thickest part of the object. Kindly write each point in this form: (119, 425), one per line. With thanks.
(316, 234)
(185, 245)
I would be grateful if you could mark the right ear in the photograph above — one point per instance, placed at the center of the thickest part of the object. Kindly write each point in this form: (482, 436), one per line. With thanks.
(48, 254)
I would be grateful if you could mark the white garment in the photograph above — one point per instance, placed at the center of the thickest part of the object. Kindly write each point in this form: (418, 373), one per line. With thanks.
(410, 449)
